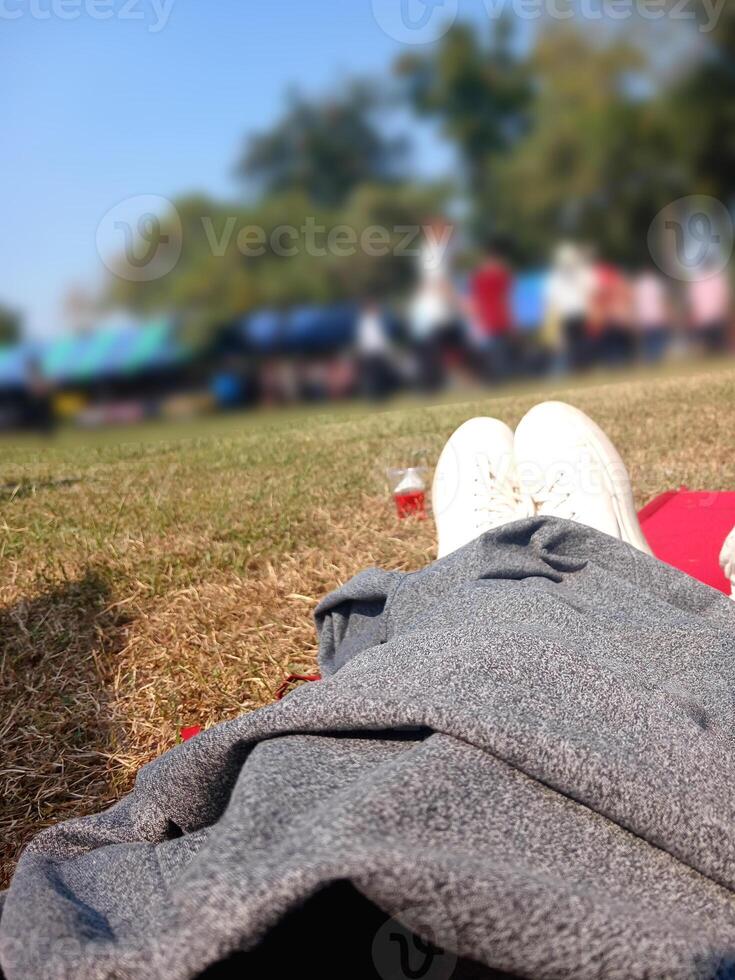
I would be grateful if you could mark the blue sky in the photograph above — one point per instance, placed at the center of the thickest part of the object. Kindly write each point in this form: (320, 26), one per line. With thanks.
(95, 111)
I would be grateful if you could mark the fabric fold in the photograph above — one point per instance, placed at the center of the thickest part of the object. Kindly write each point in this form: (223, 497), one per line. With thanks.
(523, 752)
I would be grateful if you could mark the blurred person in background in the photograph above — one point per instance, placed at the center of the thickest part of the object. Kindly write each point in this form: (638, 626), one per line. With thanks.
(652, 315)
(376, 376)
(433, 312)
(341, 376)
(231, 385)
(490, 295)
(312, 380)
(39, 413)
(610, 322)
(710, 308)
(569, 295)
(528, 312)
(280, 381)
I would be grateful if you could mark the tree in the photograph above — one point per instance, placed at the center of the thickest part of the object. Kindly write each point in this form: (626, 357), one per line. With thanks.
(10, 326)
(324, 149)
(480, 91)
(703, 106)
(281, 252)
(598, 160)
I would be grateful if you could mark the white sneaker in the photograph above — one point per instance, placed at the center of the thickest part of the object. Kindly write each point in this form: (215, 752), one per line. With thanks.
(727, 560)
(570, 468)
(475, 484)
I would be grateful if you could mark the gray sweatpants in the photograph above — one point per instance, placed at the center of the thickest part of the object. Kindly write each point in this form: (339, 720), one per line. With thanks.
(523, 753)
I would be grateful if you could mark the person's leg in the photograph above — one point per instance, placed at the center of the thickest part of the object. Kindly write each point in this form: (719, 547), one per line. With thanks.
(521, 752)
(505, 357)
(570, 335)
(578, 343)
(422, 353)
(715, 337)
(611, 345)
(433, 368)
(374, 377)
(490, 358)
(666, 336)
(655, 342)
(627, 341)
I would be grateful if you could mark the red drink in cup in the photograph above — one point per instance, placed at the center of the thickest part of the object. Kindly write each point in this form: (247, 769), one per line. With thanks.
(410, 494)
(412, 503)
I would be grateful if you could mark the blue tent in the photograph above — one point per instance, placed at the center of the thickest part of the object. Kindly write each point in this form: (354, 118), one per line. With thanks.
(115, 351)
(301, 330)
(59, 358)
(263, 331)
(313, 328)
(155, 345)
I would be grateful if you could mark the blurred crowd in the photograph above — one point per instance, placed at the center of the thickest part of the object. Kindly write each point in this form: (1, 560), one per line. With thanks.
(582, 313)
(486, 324)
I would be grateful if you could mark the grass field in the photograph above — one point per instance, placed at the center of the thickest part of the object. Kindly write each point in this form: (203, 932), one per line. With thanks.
(168, 576)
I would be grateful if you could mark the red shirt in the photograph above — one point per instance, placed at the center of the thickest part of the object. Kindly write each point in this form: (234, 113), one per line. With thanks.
(490, 289)
(612, 301)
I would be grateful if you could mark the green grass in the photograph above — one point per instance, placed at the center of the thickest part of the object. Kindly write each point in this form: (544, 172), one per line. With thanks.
(166, 575)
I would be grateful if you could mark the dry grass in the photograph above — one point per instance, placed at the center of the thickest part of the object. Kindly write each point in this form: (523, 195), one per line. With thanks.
(169, 581)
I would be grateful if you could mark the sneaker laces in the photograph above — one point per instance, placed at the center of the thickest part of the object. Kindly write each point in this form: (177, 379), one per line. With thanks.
(555, 499)
(498, 499)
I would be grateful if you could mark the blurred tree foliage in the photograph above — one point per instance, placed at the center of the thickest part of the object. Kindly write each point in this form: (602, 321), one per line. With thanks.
(325, 149)
(283, 251)
(565, 139)
(598, 160)
(578, 135)
(481, 92)
(702, 106)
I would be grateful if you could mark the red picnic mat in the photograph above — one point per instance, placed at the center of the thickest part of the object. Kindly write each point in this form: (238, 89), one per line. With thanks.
(687, 529)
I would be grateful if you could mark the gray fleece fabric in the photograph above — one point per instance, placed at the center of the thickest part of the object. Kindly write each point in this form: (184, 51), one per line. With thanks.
(520, 762)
